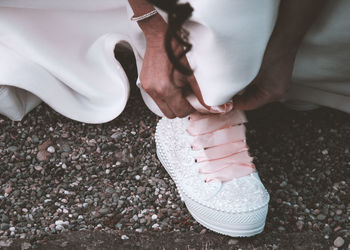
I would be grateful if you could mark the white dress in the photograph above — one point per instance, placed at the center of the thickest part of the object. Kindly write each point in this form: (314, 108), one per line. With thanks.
(61, 52)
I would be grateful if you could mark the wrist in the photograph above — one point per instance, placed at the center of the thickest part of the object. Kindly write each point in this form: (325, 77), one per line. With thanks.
(154, 28)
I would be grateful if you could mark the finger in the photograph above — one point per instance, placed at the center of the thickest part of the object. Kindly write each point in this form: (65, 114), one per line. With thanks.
(179, 105)
(254, 97)
(163, 106)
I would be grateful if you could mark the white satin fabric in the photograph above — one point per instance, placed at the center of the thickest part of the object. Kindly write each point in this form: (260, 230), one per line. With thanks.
(61, 52)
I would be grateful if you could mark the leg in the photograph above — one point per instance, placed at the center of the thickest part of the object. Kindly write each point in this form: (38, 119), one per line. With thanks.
(321, 74)
(68, 64)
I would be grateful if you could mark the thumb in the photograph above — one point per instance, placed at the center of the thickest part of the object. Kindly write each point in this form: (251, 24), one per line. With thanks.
(252, 98)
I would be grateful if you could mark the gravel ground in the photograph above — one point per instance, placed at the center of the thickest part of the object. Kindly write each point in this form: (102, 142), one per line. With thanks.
(58, 175)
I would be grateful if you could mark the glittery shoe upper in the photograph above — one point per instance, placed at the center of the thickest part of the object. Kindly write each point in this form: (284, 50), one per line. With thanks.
(233, 194)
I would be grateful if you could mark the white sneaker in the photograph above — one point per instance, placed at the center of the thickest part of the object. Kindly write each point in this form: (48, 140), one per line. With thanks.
(229, 200)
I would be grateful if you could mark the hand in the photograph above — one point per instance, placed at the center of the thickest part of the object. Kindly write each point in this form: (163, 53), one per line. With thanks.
(272, 81)
(167, 91)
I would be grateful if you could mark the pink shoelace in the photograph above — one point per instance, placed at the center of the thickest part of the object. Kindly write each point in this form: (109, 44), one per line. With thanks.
(219, 137)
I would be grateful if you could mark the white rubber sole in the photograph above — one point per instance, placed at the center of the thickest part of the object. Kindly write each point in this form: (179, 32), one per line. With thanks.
(243, 224)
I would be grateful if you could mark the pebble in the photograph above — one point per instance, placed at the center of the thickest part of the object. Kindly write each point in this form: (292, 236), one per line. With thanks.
(42, 156)
(283, 184)
(61, 222)
(154, 217)
(38, 168)
(300, 225)
(124, 237)
(12, 149)
(338, 212)
(321, 217)
(8, 190)
(25, 246)
(4, 218)
(4, 226)
(104, 211)
(117, 135)
(59, 227)
(339, 242)
(233, 242)
(51, 149)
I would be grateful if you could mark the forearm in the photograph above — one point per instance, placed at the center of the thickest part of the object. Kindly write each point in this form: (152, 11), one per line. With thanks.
(295, 17)
(154, 27)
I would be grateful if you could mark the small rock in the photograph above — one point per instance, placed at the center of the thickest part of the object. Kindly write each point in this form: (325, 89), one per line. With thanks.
(203, 231)
(64, 244)
(321, 217)
(8, 190)
(338, 212)
(156, 225)
(154, 217)
(124, 237)
(59, 227)
(339, 242)
(38, 168)
(44, 145)
(61, 222)
(5, 243)
(117, 135)
(12, 229)
(66, 148)
(283, 184)
(51, 149)
(300, 225)
(103, 211)
(25, 246)
(12, 149)
(4, 218)
(42, 156)
(140, 190)
(4, 226)
(232, 242)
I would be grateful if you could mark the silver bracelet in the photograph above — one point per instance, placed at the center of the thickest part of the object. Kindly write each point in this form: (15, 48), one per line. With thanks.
(145, 16)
